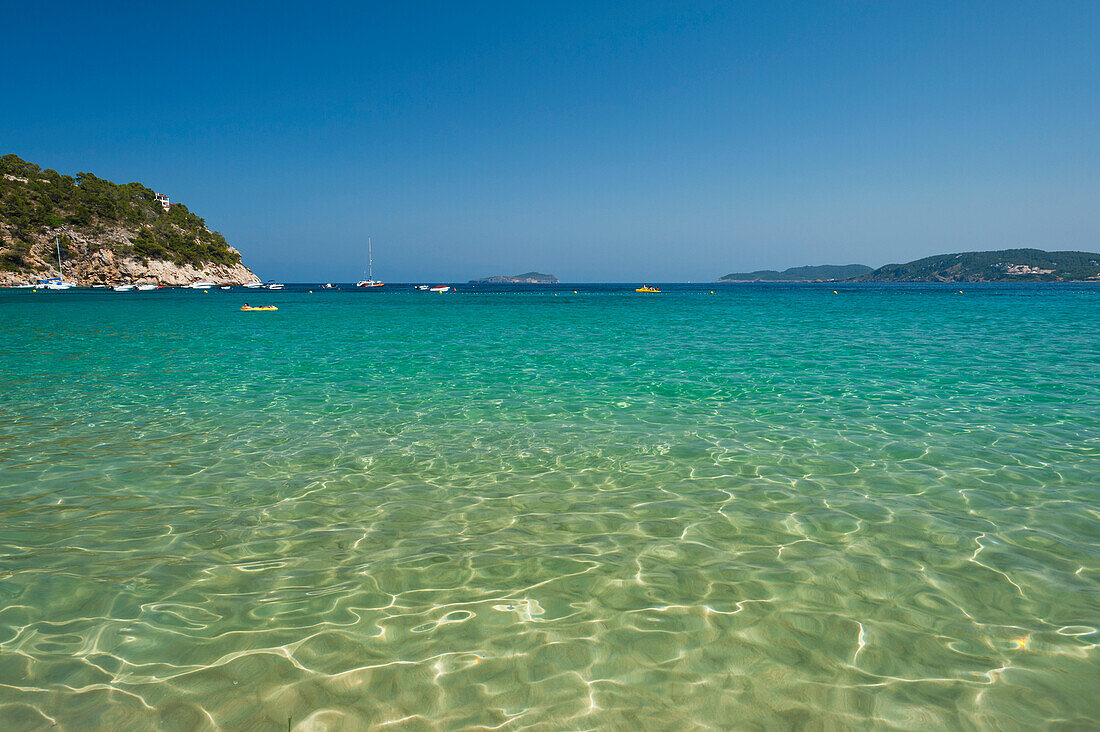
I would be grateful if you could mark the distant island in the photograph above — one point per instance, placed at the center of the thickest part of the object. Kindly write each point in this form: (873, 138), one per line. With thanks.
(818, 273)
(109, 233)
(1006, 265)
(527, 278)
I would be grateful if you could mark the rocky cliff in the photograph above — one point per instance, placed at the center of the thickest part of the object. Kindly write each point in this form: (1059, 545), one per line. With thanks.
(100, 258)
(108, 233)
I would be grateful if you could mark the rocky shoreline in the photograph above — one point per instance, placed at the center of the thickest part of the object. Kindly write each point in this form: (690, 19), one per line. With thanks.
(92, 260)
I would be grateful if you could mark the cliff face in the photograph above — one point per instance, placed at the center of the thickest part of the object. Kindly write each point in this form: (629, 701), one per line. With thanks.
(95, 259)
(109, 233)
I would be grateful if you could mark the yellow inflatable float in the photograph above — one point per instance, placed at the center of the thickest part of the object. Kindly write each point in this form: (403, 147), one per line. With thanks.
(249, 308)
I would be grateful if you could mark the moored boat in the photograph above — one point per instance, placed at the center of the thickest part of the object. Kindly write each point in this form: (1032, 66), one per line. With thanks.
(57, 283)
(370, 281)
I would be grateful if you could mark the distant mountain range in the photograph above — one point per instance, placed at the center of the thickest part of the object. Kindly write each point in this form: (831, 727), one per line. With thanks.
(1006, 265)
(818, 273)
(527, 278)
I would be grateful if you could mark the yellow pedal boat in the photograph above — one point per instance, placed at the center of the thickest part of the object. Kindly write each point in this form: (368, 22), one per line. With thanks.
(646, 288)
(249, 308)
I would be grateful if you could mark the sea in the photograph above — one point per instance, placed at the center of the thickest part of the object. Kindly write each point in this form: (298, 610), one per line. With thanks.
(756, 506)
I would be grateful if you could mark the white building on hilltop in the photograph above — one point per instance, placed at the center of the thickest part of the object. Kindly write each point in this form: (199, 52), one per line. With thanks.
(163, 200)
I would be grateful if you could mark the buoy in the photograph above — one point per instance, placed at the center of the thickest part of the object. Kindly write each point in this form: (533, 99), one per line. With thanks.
(960, 292)
(834, 292)
(311, 292)
(712, 292)
(574, 292)
(205, 292)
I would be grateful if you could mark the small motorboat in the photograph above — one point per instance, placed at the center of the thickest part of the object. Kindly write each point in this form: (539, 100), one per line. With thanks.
(123, 288)
(647, 288)
(252, 309)
(273, 285)
(254, 285)
(423, 287)
(146, 288)
(328, 286)
(226, 287)
(200, 285)
(440, 288)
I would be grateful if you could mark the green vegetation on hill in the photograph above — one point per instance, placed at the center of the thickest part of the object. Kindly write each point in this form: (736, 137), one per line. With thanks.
(1006, 265)
(33, 200)
(827, 272)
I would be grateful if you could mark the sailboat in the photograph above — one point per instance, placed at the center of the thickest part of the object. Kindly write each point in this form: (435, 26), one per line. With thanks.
(57, 283)
(370, 281)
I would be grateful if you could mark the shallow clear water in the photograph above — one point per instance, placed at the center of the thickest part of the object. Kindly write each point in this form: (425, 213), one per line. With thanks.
(766, 507)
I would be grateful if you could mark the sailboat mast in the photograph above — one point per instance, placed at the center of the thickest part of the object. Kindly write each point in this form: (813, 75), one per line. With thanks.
(370, 261)
(57, 241)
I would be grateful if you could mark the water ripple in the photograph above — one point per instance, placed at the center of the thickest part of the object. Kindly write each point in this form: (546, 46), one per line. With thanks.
(509, 512)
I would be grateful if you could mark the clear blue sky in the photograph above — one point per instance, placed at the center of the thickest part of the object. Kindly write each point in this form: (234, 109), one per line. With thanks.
(596, 141)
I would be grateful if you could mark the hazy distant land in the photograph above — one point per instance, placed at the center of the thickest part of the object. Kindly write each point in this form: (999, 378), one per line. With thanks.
(527, 278)
(818, 273)
(1006, 265)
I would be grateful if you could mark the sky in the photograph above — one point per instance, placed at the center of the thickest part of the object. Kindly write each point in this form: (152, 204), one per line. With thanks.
(597, 141)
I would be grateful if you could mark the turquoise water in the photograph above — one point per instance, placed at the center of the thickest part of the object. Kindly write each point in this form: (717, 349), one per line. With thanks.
(767, 507)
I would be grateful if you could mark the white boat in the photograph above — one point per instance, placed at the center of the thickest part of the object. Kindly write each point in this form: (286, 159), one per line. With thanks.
(254, 285)
(53, 283)
(146, 288)
(225, 287)
(272, 285)
(440, 288)
(201, 285)
(57, 283)
(122, 288)
(328, 286)
(423, 287)
(370, 281)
